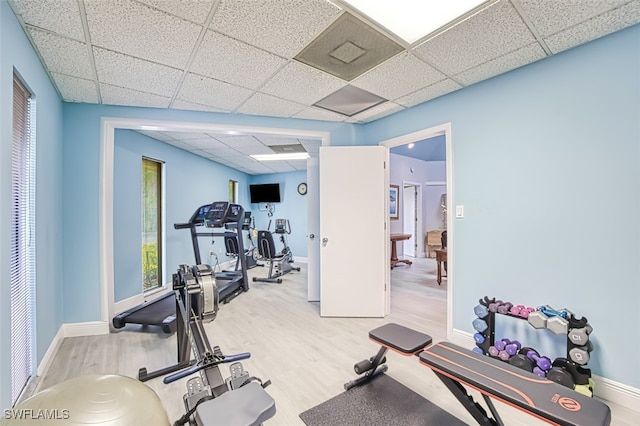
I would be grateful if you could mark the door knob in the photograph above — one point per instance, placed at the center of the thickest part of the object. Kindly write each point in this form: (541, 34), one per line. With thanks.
(325, 240)
(311, 236)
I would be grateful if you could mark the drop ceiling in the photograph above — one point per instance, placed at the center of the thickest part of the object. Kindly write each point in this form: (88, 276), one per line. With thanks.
(239, 57)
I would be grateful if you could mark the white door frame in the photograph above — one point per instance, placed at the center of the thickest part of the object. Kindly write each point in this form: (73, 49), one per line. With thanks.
(108, 126)
(417, 229)
(442, 129)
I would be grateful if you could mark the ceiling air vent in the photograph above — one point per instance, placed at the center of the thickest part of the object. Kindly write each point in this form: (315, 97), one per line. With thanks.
(348, 48)
(349, 101)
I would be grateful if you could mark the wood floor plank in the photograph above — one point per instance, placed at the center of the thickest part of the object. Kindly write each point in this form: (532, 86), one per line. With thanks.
(307, 358)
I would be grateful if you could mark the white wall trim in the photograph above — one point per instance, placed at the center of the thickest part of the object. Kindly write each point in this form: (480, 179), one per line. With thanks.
(108, 126)
(81, 329)
(45, 363)
(606, 389)
(126, 304)
(92, 328)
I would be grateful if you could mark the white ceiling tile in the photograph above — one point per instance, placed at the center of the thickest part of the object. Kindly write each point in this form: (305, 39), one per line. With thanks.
(59, 16)
(133, 73)
(552, 16)
(181, 104)
(114, 95)
(73, 89)
(157, 135)
(222, 152)
(492, 32)
(254, 150)
(236, 141)
(259, 103)
(204, 143)
(141, 31)
(281, 167)
(596, 27)
(278, 140)
(283, 27)
(500, 65)
(226, 59)
(185, 136)
(63, 55)
(207, 91)
(314, 113)
(400, 75)
(378, 111)
(301, 83)
(427, 93)
(192, 10)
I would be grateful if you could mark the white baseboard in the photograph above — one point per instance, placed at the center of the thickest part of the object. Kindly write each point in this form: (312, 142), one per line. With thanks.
(43, 367)
(300, 259)
(91, 328)
(606, 389)
(69, 330)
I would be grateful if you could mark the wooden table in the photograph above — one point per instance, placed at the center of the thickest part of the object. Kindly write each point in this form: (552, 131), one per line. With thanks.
(394, 251)
(441, 256)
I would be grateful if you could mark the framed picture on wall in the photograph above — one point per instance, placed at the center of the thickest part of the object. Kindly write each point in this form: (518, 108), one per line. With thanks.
(394, 206)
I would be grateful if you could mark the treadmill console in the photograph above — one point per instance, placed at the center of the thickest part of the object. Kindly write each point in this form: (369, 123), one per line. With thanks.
(217, 214)
(200, 215)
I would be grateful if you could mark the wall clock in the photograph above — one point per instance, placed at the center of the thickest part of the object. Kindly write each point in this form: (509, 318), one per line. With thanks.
(302, 188)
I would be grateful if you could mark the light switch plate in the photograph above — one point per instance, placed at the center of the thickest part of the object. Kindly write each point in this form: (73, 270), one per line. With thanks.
(460, 211)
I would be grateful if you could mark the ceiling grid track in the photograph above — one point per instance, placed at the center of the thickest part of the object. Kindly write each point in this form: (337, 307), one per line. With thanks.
(87, 39)
(516, 5)
(194, 51)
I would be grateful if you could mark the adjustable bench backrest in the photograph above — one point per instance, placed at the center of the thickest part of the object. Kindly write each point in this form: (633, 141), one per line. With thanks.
(537, 396)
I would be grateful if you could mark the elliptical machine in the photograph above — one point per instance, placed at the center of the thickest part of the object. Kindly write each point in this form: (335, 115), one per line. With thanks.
(279, 262)
(250, 254)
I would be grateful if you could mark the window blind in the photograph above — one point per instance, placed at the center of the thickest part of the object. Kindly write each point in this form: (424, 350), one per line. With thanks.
(22, 261)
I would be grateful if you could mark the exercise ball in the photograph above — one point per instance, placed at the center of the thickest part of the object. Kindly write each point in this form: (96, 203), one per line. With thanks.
(106, 400)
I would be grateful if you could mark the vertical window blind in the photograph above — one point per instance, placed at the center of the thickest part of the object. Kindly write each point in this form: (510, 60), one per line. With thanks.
(22, 238)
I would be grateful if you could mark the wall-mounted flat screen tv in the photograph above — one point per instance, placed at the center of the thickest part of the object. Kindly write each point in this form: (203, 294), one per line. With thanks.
(265, 193)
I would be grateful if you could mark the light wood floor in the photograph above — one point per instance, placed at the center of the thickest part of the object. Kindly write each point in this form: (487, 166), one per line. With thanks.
(307, 358)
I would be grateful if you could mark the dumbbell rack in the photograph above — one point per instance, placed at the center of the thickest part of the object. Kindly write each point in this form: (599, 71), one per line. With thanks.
(578, 377)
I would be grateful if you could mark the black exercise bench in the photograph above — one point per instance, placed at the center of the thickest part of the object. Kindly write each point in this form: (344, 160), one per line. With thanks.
(457, 366)
(542, 398)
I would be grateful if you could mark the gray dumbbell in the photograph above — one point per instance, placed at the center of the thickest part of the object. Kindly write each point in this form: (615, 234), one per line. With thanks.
(537, 319)
(580, 355)
(558, 325)
(580, 336)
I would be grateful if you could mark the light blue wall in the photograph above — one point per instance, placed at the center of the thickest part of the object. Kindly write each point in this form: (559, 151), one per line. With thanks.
(546, 162)
(190, 181)
(292, 207)
(16, 52)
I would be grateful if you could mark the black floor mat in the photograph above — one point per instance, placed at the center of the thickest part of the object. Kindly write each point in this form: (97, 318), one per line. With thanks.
(382, 401)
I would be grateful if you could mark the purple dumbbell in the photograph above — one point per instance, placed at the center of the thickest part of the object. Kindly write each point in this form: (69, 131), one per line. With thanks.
(541, 361)
(504, 355)
(493, 351)
(502, 344)
(539, 372)
(513, 348)
(504, 308)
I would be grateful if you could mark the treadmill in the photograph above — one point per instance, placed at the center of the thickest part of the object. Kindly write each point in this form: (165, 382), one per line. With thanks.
(225, 220)
(160, 312)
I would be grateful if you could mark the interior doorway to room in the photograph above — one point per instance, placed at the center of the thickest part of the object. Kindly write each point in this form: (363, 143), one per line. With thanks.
(431, 178)
(412, 218)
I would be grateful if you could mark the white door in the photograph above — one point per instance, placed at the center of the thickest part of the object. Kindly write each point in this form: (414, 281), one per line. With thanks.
(354, 236)
(409, 220)
(313, 231)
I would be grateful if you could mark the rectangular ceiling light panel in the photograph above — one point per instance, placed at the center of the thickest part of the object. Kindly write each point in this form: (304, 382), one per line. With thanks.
(411, 20)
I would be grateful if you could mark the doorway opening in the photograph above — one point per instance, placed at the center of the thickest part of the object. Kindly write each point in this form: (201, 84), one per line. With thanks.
(433, 181)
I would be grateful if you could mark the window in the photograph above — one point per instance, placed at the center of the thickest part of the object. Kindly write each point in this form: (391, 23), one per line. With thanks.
(151, 224)
(233, 191)
(23, 239)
